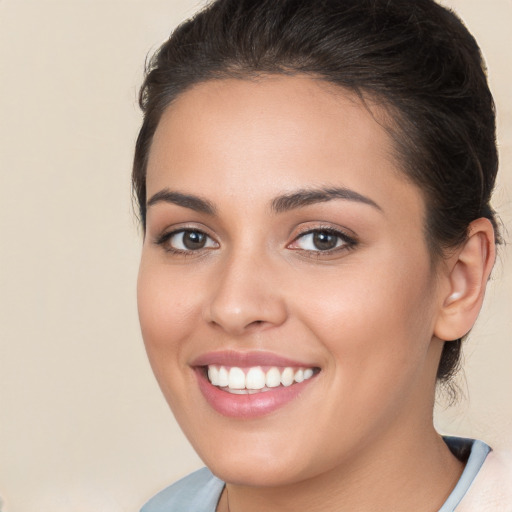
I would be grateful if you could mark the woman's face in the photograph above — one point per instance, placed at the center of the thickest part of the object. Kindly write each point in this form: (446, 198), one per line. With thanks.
(285, 252)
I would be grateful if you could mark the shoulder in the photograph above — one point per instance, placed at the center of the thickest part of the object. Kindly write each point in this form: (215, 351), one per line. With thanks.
(491, 490)
(197, 492)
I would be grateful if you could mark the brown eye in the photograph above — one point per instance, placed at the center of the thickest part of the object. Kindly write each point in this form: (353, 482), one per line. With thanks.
(193, 240)
(187, 240)
(323, 241)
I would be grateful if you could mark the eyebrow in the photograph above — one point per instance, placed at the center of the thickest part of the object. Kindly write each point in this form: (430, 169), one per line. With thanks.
(280, 204)
(185, 200)
(307, 197)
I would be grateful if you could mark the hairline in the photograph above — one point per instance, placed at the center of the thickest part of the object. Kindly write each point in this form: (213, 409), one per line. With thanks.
(387, 114)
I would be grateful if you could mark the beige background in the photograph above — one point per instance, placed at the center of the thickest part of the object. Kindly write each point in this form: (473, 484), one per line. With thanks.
(83, 426)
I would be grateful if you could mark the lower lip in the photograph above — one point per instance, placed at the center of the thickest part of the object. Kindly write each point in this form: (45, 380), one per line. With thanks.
(248, 405)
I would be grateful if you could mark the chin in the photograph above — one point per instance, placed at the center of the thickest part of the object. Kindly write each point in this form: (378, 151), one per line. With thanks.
(254, 473)
(256, 459)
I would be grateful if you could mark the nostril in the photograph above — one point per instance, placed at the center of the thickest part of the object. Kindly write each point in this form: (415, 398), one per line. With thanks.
(235, 311)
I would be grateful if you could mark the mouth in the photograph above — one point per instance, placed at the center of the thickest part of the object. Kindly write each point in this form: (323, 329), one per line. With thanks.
(256, 379)
(250, 385)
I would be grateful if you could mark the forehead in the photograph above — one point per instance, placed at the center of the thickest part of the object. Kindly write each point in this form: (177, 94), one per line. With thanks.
(272, 134)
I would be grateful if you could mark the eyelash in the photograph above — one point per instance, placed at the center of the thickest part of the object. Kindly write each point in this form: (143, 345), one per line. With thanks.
(347, 242)
(164, 239)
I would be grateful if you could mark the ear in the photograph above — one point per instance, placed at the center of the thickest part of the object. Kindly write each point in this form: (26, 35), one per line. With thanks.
(468, 273)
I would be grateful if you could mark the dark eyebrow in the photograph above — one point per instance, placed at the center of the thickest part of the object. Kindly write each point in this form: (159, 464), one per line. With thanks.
(306, 197)
(185, 200)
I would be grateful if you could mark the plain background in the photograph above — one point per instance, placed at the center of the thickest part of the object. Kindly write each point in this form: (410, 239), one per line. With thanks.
(83, 426)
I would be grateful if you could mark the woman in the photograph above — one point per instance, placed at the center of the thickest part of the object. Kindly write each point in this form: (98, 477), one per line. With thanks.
(314, 183)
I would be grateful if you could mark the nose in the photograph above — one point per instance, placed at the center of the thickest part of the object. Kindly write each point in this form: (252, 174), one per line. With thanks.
(246, 296)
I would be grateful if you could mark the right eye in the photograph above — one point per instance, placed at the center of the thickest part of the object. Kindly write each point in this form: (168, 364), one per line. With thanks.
(186, 240)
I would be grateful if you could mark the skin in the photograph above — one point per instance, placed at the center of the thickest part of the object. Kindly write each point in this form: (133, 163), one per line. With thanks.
(370, 315)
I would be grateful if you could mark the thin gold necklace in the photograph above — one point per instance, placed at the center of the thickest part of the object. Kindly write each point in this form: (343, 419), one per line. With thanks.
(227, 498)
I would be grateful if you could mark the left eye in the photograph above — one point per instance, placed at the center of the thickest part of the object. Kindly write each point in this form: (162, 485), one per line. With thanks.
(320, 240)
(189, 240)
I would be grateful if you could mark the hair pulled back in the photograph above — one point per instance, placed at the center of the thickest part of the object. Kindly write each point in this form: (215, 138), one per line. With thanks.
(415, 58)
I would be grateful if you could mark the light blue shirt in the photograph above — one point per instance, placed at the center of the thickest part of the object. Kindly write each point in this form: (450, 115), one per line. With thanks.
(201, 490)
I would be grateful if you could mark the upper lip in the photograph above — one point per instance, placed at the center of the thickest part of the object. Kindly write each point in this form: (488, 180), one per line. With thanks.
(247, 359)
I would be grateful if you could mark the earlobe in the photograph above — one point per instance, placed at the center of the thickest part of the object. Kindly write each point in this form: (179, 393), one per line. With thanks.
(467, 279)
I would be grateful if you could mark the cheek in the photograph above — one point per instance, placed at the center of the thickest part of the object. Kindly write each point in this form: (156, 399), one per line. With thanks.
(167, 314)
(376, 325)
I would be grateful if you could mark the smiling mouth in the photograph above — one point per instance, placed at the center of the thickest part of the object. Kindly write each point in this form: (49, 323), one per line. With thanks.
(256, 379)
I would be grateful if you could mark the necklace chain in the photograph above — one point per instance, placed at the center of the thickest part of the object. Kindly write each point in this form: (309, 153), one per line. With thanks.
(227, 498)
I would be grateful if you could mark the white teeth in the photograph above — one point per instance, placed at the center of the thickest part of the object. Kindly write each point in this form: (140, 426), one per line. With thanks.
(273, 378)
(236, 378)
(254, 379)
(213, 375)
(223, 377)
(287, 377)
